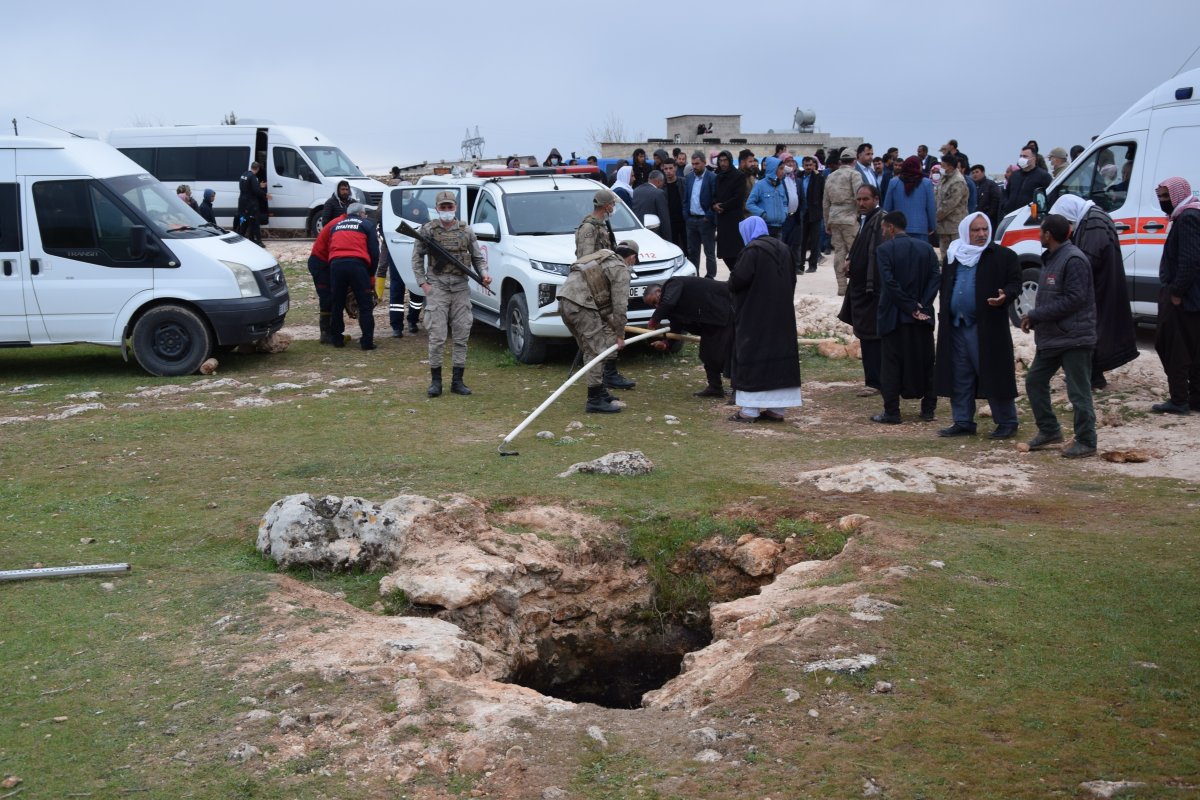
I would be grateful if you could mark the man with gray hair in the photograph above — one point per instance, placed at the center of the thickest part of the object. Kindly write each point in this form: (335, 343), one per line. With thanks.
(649, 198)
(353, 257)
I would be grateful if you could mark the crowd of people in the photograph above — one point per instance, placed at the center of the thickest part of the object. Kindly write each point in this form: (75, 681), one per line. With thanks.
(911, 240)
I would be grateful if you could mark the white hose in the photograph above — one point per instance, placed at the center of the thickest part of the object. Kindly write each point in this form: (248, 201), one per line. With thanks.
(557, 392)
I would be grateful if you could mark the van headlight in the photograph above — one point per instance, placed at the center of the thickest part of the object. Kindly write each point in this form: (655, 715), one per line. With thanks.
(359, 195)
(678, 262)
(244, 276)
(553, 269)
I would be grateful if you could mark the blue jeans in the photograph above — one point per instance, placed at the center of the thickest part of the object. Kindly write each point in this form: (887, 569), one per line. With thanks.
(701, 231)
(964, 361)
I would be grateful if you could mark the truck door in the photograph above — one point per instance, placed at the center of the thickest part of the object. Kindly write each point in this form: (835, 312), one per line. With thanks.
(293, 186)
(416, 205)
(80, 263)
(13, 328)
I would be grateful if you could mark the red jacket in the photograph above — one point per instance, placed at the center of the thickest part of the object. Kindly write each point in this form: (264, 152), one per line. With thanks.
(320, 250)
(354, 237)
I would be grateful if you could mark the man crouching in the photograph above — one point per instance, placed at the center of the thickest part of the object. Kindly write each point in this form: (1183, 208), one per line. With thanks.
(594, 302)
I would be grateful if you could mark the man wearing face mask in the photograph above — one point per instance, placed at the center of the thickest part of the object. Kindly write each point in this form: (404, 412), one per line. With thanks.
(1023, 185)
(448, 300)
(595, 232)
(554, 159)
(793, 227)
(1178, 338)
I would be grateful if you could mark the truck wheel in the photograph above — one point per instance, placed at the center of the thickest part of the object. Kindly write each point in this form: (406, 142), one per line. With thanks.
(525, 347)
(171, 340)
(314, 224)
(1027, 299)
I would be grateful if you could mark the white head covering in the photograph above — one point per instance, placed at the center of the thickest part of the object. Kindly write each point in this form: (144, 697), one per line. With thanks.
(622, 181)
(1072, 207)
(961, 249)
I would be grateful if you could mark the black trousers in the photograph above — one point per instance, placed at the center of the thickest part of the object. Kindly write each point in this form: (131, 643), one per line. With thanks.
(872, 360)
(1178, 344)
(811, 249)
(351, 274)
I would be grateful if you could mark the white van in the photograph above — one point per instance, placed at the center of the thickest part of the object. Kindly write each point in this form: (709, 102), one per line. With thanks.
(1158, 137)
(525, 220)
(302, 167)
(93, 249)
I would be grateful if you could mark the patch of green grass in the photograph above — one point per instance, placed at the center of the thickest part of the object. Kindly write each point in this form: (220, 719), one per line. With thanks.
(396, 603)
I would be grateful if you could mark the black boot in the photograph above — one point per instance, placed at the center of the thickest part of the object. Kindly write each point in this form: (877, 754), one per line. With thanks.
(323, 323)
(614, 379)
(456, 382)
(435, 383)
(598, 403)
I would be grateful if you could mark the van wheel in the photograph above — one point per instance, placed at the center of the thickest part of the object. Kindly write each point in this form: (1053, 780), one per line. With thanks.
(1027, 299)
(171, 340)
(525, 347)
(314, 224)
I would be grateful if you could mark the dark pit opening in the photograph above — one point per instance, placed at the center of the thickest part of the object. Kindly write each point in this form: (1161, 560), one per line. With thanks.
(609, 671)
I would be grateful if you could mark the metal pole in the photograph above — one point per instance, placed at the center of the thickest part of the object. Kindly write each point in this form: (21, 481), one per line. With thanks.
(61, 572)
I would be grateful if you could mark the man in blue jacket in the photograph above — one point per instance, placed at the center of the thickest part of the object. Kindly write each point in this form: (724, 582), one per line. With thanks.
(698, 215)
(1064, 330)
(909, 280)
(768, 198)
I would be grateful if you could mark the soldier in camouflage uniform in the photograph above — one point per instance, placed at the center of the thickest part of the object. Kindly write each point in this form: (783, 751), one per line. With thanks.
(594, 302)
(594, 233)
(448, 301)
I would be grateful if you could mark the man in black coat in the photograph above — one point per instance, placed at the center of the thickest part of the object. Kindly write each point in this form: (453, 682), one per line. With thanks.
(337, 203)
(974, 338)
(861, 303)
(1023, 185)
(909, 281)
(703, 307)
(813, 184)
(1178, 338)
(252, 199)
(729, 204)
(988, 195)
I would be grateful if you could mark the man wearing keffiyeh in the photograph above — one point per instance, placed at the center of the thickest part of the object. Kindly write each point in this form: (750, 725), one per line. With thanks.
(1178, 337)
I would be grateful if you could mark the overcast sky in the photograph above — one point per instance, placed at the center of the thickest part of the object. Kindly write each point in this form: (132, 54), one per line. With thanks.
(400, 82)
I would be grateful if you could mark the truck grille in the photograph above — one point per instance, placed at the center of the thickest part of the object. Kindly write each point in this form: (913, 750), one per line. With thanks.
(374, 198)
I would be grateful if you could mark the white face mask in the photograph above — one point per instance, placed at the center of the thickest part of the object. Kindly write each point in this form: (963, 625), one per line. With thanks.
(446, 216)
(789, 170)
(1022, 162)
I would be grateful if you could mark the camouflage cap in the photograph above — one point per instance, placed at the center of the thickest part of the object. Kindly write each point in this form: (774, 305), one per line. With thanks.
(446, 197)
(603, 197)
(627, 247)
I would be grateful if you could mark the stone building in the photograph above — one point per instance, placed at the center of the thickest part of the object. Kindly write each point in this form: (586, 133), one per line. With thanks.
(710, 132)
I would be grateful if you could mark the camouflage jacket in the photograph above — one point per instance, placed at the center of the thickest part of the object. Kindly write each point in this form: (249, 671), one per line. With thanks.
(600, 281)
(458, 239)
(593, 235)
(952, 196)
(839, 205)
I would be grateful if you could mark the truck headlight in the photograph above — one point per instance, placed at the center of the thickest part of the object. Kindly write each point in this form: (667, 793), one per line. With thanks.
(553, 269)
(244, 276)
(359, 195)
(1002, 227)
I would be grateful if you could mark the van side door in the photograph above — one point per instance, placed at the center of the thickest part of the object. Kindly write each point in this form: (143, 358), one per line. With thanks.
(14, 329)
(294, 187)
(81, 265)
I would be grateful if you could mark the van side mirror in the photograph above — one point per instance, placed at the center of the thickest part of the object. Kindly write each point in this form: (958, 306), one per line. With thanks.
(486, 231)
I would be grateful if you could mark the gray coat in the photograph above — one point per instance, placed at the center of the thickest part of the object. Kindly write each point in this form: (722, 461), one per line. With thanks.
(649, 199)
(1065, 315)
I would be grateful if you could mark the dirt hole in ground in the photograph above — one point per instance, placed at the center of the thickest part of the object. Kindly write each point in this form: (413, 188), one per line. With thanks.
(609, 672)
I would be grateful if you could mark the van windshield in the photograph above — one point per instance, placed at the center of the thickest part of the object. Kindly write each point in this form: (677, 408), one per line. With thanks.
(553, 213)
(161, 208)
(332, 162)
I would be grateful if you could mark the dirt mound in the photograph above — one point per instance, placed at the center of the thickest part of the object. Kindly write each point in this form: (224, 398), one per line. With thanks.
(921, 475)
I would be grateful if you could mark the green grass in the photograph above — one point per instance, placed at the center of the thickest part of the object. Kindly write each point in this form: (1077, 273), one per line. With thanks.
(1055, 595)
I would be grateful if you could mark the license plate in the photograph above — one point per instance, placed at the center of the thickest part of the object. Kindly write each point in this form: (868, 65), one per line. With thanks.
(637, 291)
(283, 307)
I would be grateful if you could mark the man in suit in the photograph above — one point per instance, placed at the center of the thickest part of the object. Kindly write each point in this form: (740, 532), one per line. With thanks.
(812, 185)
(698, 215)
(927, 161)
(649, 198)
(909, 280)
(702, 307)
(864, 162)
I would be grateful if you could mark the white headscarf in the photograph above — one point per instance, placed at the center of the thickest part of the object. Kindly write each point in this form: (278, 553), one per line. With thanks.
(622, 181)
(961, 249)
(1072, 207)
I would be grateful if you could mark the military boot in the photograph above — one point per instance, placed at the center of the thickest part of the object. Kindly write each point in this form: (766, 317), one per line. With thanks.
(323, 324)
(614, 379)
(435, 383)
(598, 403)
(456, 382)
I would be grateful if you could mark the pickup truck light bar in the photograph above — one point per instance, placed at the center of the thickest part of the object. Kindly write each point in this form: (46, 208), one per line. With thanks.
(504, 172)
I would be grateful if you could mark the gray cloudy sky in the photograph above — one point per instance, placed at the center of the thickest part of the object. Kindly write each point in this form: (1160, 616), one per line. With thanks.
(400, 82)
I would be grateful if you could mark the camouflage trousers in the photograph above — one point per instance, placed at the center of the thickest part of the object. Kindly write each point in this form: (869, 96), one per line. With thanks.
(448, 312)
(591, 334)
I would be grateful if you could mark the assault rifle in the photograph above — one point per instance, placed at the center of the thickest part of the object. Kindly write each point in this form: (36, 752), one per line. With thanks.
(442, 254)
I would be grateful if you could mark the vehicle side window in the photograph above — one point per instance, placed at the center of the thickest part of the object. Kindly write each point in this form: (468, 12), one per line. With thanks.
(289, 164)
(176, 164)
(77, 220)
(142, 156)
(416, 205)
(10, 218)
(485, 211)
(1104, 176)
(221, 163)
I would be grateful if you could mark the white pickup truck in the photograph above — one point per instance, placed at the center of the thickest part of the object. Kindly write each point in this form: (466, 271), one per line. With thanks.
(525, 221)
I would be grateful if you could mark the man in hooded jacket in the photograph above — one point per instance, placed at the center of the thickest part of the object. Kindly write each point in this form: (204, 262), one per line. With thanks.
(1178, 338)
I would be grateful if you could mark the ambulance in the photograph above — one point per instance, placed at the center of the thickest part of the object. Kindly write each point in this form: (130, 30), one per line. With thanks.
(1156, 138)
(93, 249)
